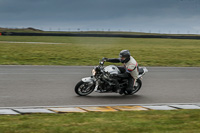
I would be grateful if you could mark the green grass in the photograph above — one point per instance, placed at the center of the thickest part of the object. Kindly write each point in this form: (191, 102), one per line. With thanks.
(88, 51)
(177, 121)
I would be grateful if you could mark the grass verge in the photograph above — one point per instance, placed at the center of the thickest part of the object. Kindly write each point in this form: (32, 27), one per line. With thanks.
(88, 50)
(176, 121)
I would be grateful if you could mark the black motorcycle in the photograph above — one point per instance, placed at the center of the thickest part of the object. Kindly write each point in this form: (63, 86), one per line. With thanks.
(108, 80)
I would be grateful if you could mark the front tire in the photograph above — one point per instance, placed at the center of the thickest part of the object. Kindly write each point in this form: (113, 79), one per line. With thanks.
(136, 88)
(84, 88)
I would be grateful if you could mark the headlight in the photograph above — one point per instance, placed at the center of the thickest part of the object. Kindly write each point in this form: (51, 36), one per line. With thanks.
(93, 72)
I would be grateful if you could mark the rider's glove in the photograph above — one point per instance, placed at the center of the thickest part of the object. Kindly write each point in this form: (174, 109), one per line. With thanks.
(105, 59)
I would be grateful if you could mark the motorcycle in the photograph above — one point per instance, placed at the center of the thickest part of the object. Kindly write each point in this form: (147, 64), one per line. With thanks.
(108, 80)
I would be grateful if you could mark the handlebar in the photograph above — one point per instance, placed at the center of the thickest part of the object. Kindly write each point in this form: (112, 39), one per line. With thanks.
(101, 62)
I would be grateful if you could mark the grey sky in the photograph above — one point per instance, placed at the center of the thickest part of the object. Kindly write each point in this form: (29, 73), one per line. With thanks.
(169, 16)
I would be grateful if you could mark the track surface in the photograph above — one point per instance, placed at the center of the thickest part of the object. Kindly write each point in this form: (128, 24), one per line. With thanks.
(54, 86)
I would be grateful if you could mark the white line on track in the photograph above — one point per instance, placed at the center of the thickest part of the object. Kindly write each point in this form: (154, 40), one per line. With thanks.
(62, 106)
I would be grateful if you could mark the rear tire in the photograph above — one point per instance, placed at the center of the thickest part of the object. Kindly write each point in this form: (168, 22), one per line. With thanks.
(84, 88)
(136, 88)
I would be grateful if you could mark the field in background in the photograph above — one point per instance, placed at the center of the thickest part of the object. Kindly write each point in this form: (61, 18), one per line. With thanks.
(176, 121)
(33, 30)
(88, 50)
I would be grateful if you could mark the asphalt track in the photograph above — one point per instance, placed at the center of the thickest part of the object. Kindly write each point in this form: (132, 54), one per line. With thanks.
(54, 86)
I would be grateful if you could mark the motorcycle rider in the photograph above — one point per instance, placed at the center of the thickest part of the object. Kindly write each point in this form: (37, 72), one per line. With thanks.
(130, 69)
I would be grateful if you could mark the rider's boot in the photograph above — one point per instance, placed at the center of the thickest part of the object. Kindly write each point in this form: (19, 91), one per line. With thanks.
(130, 85)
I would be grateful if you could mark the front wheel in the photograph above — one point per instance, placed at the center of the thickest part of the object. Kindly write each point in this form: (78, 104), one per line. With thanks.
(84, 88)
(136, 88)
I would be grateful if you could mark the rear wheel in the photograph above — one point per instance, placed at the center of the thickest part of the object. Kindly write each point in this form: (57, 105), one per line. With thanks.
(136, 88)
(84, 88)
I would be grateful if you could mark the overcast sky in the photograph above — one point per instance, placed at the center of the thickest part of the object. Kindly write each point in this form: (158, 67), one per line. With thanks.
(160, 16)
